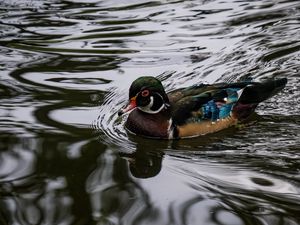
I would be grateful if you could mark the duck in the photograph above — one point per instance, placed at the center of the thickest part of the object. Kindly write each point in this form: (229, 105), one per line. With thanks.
(192, 111)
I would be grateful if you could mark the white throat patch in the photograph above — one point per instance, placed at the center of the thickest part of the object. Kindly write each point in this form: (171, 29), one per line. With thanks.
(147, 108)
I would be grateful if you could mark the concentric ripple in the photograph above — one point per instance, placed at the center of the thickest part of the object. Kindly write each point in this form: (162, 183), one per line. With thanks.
(111, 125)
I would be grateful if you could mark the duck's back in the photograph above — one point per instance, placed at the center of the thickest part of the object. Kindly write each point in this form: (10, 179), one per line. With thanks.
(203, 109)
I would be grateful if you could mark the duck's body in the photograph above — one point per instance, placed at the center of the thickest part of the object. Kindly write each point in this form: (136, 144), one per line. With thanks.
(192, 111)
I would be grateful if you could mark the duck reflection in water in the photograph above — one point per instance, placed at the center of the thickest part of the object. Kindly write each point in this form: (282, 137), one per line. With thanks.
(144, 164)
(146, 161)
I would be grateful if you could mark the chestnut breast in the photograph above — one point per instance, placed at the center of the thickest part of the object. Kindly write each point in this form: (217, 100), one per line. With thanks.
(150, 125)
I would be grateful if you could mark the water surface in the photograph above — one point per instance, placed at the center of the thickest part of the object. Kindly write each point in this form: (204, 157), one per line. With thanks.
(65, 157)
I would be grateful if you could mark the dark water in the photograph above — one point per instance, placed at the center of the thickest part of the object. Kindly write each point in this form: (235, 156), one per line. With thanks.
(65, 157)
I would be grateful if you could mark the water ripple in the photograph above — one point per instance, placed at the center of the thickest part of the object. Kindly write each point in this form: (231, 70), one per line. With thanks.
(67, 65)
(241, 191)
(111, 125)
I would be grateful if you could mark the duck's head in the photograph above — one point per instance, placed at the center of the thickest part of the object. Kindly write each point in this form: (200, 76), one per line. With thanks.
(148, 95)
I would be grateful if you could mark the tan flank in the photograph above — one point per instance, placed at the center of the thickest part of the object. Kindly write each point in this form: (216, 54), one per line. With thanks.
(205, 127)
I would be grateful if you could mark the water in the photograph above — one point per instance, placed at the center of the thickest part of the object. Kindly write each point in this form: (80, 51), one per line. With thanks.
(65, 157)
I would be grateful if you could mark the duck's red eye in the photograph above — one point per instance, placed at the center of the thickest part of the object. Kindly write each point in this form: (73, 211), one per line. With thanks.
(145, 93)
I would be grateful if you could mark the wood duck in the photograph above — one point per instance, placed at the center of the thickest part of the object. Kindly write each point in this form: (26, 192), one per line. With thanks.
(193, 111)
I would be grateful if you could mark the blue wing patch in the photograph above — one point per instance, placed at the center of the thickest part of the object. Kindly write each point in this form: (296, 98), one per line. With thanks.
(215, 110)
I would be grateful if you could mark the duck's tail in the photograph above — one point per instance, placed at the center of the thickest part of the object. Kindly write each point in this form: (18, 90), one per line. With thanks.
(258, 92)
(254, 93)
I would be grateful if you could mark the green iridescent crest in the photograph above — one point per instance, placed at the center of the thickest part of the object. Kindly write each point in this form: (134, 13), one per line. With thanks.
(142, 83)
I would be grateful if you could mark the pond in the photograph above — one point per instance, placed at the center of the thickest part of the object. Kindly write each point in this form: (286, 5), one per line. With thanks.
(66, 67)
